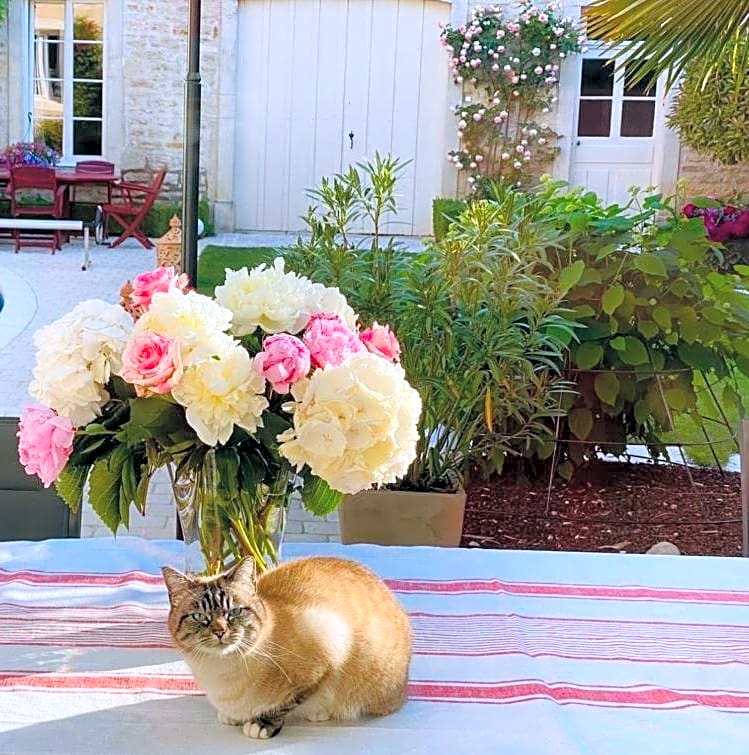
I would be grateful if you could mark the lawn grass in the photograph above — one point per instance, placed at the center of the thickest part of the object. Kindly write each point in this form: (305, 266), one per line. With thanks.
(214, 260)
(689, 431)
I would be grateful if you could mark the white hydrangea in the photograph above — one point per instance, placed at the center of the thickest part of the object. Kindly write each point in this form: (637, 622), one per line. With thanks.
(196, 322)
(76, 356)
(220, 393)
(277, 301)
(354, 425)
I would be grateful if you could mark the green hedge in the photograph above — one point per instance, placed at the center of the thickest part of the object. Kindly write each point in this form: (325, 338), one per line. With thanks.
(156, 223)
(445, 211)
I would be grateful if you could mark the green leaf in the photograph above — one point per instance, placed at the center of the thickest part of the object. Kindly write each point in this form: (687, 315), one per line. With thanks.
(648, 328)
(697, 356)
(588, 355)
(677, 398)
(318, 497)
(662, 316)
(565, 470)
(648, 263)
(619, 343)
(70, 484)
(642, 412)
(634, 352)
(581, 422)
(741, 269)
(104, 487)
(606, 386)
(612, 299)
(570, 276)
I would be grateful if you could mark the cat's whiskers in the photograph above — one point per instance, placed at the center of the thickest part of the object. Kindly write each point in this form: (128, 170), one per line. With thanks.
(267, 656)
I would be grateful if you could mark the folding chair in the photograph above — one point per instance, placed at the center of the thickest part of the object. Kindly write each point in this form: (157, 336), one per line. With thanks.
(24, 179)
(27, 510)
(129, 207)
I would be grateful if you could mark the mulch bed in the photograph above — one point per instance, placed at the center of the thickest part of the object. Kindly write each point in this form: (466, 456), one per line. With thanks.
(609, 507)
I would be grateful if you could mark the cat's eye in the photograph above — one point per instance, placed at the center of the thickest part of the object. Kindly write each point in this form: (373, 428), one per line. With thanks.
(200, 618)
(235, 613)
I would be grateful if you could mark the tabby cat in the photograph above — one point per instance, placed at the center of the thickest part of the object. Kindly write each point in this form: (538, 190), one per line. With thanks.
(322, 638)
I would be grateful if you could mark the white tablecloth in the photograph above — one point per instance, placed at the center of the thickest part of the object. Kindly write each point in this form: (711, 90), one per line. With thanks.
(514, 653)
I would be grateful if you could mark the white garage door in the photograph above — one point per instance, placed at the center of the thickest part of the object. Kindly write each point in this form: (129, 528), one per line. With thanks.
(323, 84)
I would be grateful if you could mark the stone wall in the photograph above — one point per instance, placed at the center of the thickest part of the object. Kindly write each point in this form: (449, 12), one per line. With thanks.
(4, 73)
(154, 59)
(704, 176)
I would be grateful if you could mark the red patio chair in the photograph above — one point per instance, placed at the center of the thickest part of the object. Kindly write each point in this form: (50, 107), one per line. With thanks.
(94, 167)
(26, 179)
(130, 205)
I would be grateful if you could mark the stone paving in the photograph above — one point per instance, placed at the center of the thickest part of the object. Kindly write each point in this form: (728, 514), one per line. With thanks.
(40, 287)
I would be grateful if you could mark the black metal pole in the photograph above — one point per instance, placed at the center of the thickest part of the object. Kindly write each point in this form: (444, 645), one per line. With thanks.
(191, 163)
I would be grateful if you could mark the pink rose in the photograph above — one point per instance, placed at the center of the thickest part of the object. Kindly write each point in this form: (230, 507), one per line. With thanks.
(152, 363)
(330, 340)
(380, 340)
(160, 280)
(283, 361)
(45, 442)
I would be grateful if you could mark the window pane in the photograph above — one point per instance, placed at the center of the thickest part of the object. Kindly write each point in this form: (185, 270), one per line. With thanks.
(87, 100)
(48, 59)
(644, 88)
(89, 21)
(48, 98)
(87, 61)
(637, 117)
(597, 78)
(87, 137)
(49, 20)
(49, 132)
(594, 118)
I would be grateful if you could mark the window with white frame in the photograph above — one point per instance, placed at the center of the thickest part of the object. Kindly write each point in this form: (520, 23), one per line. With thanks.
(68, 76)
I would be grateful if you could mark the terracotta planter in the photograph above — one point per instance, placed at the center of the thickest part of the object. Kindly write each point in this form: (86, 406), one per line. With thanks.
(394, 517)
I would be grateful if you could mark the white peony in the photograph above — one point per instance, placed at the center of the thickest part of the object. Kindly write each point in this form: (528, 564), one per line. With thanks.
(355, 425)
(220, 393)
(76, 356)
(277, 301)
(196, 322)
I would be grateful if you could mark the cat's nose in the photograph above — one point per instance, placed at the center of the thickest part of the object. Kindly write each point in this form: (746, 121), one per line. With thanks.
(219, 632)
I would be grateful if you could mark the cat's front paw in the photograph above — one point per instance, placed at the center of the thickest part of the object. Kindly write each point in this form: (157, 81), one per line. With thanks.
(262, 728)
(317, 715)
(228, 720)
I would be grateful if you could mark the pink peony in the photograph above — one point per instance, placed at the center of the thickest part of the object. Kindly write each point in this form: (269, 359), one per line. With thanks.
(152, 363)
(284, 360)
(160, 280)
(380, 340)
(45, 442)
(330, 340)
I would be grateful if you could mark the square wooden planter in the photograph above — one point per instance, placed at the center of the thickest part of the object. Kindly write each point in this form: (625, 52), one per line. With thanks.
(394, 517)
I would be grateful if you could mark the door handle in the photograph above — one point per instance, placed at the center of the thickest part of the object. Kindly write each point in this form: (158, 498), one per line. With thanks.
(351, 137)
(578, 143)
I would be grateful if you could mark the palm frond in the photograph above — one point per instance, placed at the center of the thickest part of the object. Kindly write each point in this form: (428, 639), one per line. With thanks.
(664, 36)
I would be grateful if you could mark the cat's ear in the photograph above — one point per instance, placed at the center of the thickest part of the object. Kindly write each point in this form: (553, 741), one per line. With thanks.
(242, 574)
(177, 583)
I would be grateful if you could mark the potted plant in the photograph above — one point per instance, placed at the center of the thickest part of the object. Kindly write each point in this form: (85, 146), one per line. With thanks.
(482, 334)
(267, 388)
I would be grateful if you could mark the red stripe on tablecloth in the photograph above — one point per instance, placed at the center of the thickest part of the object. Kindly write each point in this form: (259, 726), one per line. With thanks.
(452, 587)
(72, 578)
(563, 693)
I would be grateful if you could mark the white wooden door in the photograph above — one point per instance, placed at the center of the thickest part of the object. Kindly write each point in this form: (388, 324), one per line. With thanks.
(323, 84)
(618, 128)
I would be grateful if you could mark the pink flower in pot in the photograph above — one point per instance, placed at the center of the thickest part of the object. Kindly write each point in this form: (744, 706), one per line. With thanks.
(45, 442)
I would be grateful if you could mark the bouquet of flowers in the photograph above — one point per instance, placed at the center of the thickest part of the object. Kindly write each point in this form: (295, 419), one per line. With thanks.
(33, 154)
(267, 386)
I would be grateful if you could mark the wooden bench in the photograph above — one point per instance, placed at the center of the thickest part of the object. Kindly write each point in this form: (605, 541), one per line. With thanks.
(32, 224)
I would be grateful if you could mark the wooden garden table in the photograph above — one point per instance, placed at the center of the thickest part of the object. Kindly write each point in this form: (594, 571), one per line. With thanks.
(514, 652)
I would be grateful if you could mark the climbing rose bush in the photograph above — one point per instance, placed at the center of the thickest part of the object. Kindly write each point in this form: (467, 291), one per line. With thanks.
(508, 67)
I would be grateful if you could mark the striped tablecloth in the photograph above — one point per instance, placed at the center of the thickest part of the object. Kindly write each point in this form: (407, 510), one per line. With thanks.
(514, 653)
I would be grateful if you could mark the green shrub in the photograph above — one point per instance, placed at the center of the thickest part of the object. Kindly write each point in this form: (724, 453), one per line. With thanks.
(713, 117)
(445, 211)
(654, 312)
(482, 336)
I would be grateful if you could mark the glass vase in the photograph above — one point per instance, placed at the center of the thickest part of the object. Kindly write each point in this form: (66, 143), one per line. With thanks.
(221, 524)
